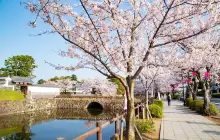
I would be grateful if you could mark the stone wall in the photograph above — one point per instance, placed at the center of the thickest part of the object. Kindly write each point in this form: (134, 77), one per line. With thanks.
(26, 120)
(22, 106)
(15, 120)
(83, 103)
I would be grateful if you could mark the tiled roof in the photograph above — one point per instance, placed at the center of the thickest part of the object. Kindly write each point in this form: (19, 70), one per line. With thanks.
(44, 85)
(3, 77)
(18, 79)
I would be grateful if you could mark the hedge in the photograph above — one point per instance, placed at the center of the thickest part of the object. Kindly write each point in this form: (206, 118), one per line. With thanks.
(176, 96)
(213, 109)
(189, 101)
(216, 95)
(159, 103)
(156, 111)
(197, 105)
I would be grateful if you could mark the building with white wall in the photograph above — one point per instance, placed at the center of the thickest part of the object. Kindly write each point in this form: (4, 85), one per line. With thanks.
(5, 82)
(25, 85)
(43, 91)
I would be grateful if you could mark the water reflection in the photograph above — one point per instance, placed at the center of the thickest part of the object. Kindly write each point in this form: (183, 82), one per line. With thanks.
(23, 135)
(50, 124)
(95, 112)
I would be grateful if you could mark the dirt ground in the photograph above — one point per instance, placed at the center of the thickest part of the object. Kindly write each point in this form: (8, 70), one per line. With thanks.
(215, 119)
(155, 135)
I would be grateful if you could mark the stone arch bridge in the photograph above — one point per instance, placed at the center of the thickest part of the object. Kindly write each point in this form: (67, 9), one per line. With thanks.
(83, 102)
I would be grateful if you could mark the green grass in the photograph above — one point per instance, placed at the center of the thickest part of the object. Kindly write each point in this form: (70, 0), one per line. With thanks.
(145, 125)
(7, 131)
(10, 95)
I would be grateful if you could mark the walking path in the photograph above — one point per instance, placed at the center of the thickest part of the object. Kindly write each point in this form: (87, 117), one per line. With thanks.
(180, 123)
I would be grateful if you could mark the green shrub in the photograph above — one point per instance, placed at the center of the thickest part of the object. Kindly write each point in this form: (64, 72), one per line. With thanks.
(216, 95)
(213, 109)
(144, 125)
(196, 104)
(188, 101)
(191, 104)
(156, 111)
(176, 96)
(65, 93)
(160, 103)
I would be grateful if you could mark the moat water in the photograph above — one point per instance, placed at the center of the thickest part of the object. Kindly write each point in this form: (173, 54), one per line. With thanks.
(51, 124)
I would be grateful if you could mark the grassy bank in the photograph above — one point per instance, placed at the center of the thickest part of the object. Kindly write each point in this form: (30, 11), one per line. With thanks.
(7, 131)
(10, 95)
(154, 134)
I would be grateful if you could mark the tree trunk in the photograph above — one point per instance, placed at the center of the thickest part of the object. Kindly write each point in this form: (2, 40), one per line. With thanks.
(130, 131)
(156, 94)
(195, 90)
(130, 120)
(146, 105)
(190, 91)
(206, 110)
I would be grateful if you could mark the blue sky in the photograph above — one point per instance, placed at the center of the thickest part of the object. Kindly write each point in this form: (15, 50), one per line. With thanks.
(16, 39)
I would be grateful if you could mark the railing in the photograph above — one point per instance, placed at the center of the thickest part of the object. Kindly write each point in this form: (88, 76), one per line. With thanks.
(118, 119)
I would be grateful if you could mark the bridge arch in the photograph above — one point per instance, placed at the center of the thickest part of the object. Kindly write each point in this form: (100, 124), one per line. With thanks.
(95, 105)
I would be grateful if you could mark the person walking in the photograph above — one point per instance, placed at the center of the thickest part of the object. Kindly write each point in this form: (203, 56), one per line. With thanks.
(169, 99)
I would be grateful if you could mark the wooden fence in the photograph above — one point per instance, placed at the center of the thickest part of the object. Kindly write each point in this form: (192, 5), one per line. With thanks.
(117, 120)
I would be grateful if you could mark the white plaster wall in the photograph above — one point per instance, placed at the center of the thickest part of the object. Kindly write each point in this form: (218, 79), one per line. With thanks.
(43, 89)
(6, 84)
(3, 83)
(43, 92)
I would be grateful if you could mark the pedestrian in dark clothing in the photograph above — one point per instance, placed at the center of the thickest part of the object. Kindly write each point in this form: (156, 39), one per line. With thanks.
(169, 99)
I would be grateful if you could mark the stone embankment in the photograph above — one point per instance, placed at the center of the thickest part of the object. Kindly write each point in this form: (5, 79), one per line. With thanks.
(23, 106)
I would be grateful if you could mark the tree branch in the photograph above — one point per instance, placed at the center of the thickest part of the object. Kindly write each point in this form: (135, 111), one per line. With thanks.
(151, 42)
(176, 40)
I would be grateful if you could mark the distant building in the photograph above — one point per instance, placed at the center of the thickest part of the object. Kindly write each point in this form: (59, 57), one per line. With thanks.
(5, 82)
(25, 85)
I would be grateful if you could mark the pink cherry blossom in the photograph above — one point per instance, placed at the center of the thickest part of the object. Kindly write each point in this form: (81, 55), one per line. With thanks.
(66, 85)
(102, 86)
(135, 36)
(96, 9)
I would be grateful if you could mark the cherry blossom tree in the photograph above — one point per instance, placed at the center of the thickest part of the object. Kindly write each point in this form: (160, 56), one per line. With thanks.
(103, 87)
(117, 37)
(203, 63)
(158, 72)
(65, 85)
